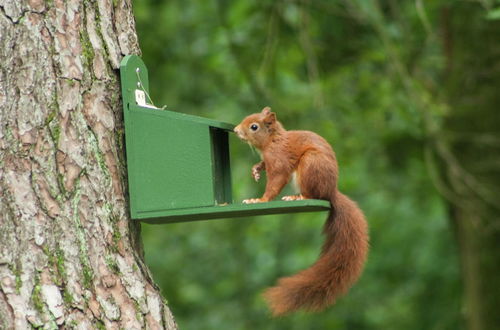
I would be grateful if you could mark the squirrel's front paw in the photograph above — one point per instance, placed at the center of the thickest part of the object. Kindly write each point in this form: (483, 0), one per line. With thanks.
(256, 172)
(252, 201)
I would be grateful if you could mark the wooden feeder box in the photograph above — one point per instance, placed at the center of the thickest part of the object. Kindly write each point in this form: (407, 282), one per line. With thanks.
(178, 165)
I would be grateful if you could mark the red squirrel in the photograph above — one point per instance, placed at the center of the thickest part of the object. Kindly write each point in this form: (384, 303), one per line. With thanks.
(308, 156)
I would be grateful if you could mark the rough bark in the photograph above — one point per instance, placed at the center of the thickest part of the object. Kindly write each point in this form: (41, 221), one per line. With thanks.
(69, 254)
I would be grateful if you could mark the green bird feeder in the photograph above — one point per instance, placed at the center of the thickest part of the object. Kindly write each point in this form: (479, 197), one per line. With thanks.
(178, 165)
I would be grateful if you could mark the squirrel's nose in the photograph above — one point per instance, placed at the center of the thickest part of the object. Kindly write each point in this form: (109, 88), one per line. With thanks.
(238, 132)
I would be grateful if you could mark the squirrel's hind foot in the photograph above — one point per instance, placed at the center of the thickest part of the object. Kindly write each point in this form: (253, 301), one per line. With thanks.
(252, 201)
(293, 198)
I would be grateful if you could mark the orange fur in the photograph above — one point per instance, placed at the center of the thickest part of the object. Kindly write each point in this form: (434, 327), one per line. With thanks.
(346, 246)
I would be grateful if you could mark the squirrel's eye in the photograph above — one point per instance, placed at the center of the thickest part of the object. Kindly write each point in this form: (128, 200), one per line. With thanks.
(254, 127)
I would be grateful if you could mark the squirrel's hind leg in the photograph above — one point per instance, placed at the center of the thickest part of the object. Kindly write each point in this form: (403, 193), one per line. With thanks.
(317, 175)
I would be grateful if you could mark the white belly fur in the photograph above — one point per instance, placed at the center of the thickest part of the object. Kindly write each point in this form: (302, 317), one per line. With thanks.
(295, 184)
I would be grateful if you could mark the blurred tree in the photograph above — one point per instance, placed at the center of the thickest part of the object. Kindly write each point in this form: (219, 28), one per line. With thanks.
(457, 101)
(396, 88)
(470, 153)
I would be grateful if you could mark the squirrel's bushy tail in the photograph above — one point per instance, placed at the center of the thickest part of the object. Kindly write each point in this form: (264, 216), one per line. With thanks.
(339, 266)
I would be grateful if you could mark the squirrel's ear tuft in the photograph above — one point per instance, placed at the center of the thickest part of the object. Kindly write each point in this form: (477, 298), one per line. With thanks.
(266, 111)
(270, 118)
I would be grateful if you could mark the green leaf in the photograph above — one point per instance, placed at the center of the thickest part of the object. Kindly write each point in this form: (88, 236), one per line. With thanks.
(493, 14)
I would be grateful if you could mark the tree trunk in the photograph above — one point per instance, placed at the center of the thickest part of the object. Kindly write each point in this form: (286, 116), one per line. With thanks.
(69, 254)
(472, 167)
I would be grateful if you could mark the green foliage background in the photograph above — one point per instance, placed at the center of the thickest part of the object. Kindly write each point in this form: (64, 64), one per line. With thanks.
(363, 74)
